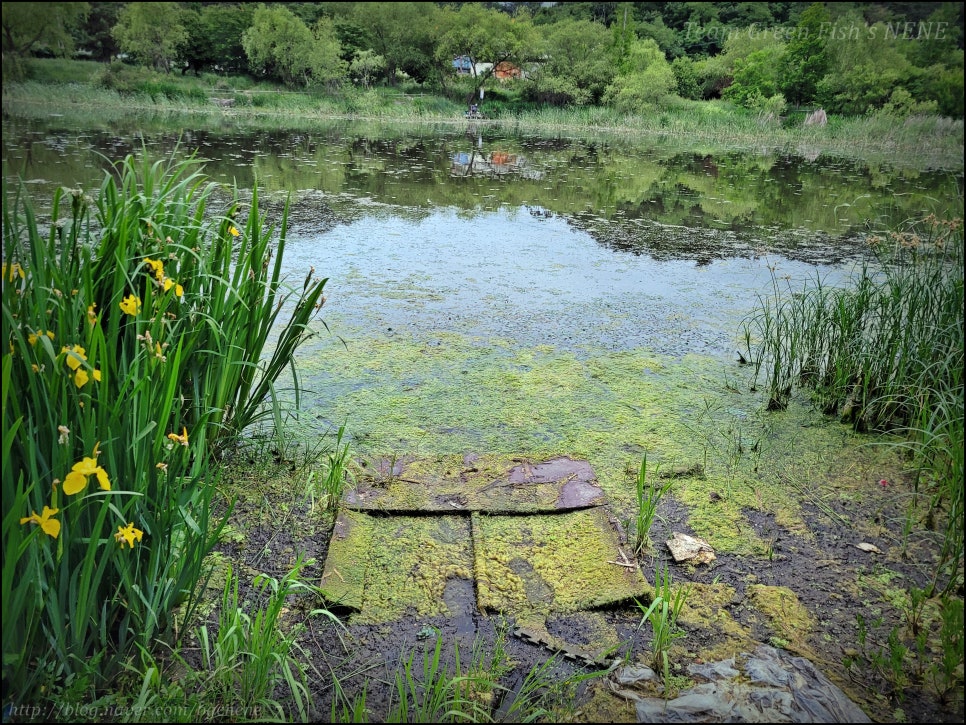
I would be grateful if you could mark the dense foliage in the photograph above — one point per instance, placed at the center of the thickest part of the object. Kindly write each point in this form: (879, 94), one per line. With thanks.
(849, 58)
(136, 347)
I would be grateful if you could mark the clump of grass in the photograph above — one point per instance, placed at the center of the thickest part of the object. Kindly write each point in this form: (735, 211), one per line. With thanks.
(438, 693)
(336, 473)
(135, 336)
(885, 354)
(662, 614)
(467, 691)
(250, 655)
(649, 495)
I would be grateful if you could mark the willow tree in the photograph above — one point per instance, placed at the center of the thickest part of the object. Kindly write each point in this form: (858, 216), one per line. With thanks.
(281, 46)
(30, 27)
(488, 37)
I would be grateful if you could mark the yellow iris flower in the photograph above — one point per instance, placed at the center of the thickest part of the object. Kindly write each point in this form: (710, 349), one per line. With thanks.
(169, 283)
(75, 355)
(33, 336)
(131, 305)
(129, 534)
(12, 270)
(50, 526)
(157, 265)
(182, 439)
(76, 480)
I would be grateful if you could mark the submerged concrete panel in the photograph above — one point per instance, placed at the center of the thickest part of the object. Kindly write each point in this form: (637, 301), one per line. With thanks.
(534, 542)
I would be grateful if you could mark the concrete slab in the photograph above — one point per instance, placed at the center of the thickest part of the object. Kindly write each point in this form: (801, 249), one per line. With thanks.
(383, 567)
(534, 542)
(557, 484)
(552, 563)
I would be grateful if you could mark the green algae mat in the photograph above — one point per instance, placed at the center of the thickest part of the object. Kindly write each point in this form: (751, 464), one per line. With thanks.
(532, 542)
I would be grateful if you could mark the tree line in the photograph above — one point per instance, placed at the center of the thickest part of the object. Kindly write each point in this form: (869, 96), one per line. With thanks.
(849, 58)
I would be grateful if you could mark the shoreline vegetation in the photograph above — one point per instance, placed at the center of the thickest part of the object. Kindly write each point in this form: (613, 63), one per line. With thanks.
(73, 91)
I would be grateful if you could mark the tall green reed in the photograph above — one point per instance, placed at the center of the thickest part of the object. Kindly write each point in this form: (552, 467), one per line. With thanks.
(136, 344)
(885, 354)
(250, 655)
(438, 692)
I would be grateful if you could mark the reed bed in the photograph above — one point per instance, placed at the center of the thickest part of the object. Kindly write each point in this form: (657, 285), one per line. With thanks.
(885, 354)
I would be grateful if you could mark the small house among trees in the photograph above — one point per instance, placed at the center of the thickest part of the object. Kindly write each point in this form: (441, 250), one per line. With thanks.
(505, 71)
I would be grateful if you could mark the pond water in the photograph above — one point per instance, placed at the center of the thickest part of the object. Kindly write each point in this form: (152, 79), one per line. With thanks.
(582, 246)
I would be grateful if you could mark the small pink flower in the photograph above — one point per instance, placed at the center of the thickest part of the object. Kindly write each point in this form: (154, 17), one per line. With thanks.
(883, 482)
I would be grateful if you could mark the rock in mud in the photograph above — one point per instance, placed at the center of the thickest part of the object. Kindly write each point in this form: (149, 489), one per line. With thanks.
(685, 547)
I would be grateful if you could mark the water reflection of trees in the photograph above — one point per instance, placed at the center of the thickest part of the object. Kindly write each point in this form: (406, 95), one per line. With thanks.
(612, 188)
(665, 242)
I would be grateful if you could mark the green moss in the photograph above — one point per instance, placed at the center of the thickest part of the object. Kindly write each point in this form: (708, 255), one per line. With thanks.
(707, 609)
(553, 563)
(789, 619)
(384, 567)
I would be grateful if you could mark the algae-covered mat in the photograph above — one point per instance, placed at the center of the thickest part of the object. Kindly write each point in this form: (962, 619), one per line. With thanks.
(558, 551)
(387, 566)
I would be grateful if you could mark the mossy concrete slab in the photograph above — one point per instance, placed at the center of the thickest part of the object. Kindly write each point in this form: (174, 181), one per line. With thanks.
(552, 563)
(344, 576)
(557, 484)
(533, 541)
(383, 567)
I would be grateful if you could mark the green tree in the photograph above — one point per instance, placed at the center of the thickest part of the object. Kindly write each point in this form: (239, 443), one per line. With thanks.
(31, 27)
(806, 60)
(404, 33)
(279, 45)
(365, 66)
(96, 35)
(353, 38)
(577, 67)
(649, 81)
(756, 76)
(623, 37)
(153, 33)
(941, 43)
(215, 38)
(687, 82)
(864, 68)
(487, 37)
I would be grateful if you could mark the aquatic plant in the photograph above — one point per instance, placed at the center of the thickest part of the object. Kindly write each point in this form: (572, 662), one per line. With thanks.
(136, 345)
(885, 354)
(662, 614)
